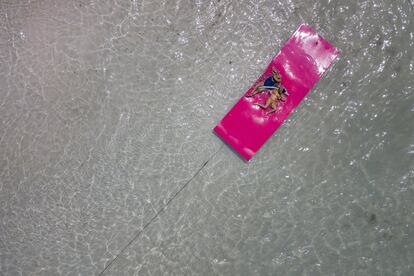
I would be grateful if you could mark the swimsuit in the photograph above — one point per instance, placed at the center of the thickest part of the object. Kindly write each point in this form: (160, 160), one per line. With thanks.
(270, 81)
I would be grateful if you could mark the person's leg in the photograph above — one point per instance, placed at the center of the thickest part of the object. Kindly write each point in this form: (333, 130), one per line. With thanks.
(273, 109)
(268, 102)
(257, 89)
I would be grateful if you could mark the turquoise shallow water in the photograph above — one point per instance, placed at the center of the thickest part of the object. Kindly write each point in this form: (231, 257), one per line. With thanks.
(108, 163)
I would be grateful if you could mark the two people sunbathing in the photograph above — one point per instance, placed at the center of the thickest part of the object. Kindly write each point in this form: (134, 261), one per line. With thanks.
(275, 89)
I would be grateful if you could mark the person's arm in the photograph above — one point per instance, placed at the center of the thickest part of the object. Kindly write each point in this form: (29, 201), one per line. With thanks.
(282, 97)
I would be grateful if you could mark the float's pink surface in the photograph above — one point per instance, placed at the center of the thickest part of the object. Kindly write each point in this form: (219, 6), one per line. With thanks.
(301, 62)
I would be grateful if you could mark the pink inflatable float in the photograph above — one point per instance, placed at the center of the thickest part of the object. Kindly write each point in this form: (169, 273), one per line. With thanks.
(266, 105)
